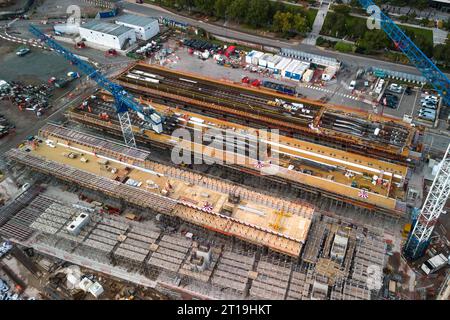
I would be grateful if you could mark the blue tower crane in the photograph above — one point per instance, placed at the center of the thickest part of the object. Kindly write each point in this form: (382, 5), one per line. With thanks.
(428, 69)
(123, 100)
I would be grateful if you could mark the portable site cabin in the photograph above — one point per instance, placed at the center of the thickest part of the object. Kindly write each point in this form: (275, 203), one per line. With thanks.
(255, 58)
(279, 68)
(287, 73)
(329, 73)
(249, 56)
(262, 62)
(298, 72)
(308, 75)
(272, 62)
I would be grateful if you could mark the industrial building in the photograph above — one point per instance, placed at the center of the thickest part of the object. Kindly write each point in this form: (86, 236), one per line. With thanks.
(108, 35)
(145, 27)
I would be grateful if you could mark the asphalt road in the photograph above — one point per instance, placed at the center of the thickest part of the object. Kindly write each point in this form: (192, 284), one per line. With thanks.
(348, 59)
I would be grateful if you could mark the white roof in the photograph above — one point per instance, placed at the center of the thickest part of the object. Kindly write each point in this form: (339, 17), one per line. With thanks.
(283, 63)
(258, 54)
(106, 28)
(293, 65)
(134, 20)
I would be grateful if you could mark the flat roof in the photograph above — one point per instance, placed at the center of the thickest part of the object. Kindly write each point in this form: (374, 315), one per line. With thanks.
(140, 21)
(106, 28)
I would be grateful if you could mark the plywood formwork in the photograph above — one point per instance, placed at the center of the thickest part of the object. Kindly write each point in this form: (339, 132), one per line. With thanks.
(335, 184)
(295, 227)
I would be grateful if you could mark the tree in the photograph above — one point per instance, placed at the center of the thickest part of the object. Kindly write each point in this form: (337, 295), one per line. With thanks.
(282, 22)
(257, 13)
(372, 41)
(220, 8)
(237, 10)
(205, 6)
(300, 24)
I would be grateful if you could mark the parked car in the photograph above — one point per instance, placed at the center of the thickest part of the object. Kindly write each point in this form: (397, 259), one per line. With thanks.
(429, 104)
(426, 106)
(389, 100)
(429, 101)
(426, 113)
(22, 52)
(428, 116)
(431, 97)
(352, 85)
(395, 88)
(408, 91)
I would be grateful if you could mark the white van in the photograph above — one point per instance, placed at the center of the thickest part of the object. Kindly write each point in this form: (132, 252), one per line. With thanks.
(352, 85)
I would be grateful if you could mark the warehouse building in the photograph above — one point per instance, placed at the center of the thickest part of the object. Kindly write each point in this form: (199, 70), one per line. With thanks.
(108, 35)
(145, 27)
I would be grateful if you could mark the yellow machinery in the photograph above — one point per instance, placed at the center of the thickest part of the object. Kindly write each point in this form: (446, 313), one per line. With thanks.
(277, 225)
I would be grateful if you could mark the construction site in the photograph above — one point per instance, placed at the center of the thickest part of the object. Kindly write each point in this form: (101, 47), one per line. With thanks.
(150, 182)
(191, 233)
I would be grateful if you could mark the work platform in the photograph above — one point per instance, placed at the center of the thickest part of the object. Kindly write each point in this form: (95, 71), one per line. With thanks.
(357, 131)
(118, 172)
(350, 177)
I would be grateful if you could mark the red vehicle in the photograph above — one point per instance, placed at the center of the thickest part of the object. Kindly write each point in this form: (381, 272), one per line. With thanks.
(245, 80)
(111, 53)
(256, 83)
(80, 45)
(230, 50)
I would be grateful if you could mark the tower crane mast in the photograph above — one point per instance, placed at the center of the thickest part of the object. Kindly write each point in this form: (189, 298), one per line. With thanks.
(123, 100)
(432, 208)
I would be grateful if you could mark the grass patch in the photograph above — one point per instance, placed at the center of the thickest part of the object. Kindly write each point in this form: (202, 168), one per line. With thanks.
(311, 15)
(344, 47)
(418, 32)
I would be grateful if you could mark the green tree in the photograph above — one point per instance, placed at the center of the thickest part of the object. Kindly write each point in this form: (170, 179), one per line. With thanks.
(300, 24)
(205, 6)
(257, 13)
(237, 10)
(220, 8)
(372, 41)
(282, 22)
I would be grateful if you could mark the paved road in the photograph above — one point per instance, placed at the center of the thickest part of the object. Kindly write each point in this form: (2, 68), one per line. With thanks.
(355, 61)
(317, 25)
